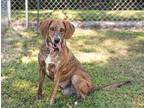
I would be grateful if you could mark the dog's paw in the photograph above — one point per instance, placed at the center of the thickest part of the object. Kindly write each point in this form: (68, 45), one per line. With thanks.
(76, 103)
(39, 97)
(51, 101)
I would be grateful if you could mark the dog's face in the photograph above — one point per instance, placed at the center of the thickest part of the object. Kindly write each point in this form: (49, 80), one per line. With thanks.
(56, 34)
(55, 31)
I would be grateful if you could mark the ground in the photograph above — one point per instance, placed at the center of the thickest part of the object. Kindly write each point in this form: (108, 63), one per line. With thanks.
(108, 56)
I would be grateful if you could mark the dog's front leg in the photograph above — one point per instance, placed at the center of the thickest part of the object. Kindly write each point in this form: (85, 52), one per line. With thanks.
(41, 80)
(54, 89)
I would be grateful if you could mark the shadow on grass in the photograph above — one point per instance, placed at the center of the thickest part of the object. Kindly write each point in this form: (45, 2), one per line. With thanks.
(109, 41)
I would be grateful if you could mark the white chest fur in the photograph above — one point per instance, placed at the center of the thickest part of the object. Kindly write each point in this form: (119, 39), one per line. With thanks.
(52, 60)
(48, 60)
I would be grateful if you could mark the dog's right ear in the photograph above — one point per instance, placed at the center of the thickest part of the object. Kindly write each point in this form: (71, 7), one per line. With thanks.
(44, 27)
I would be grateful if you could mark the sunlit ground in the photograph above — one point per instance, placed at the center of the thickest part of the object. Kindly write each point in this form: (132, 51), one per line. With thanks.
(108, 55)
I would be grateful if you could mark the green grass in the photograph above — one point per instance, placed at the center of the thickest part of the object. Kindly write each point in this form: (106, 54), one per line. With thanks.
(82, 15)
(108, 55)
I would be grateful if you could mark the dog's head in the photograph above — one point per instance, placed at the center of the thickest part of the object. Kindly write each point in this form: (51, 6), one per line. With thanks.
(56, 31)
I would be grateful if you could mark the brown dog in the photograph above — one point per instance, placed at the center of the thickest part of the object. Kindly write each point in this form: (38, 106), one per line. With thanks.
(59, 63)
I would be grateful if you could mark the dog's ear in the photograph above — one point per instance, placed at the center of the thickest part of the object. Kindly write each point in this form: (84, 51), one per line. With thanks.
(69, 29)
(44, 27)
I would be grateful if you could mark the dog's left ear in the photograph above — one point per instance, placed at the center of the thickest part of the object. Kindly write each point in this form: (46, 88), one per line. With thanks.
(69, 29)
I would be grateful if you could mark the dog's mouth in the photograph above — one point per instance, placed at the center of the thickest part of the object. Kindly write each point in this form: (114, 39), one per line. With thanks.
(54, 45)
(57, 46)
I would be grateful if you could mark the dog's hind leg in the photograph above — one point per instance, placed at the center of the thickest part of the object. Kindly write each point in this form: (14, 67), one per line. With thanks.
(68, 91)
(82, 87)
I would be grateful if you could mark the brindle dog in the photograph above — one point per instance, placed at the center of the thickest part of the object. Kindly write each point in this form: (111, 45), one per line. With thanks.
(59, 63)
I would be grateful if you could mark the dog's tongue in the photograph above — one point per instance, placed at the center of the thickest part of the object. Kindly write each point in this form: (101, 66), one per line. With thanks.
(58, 45)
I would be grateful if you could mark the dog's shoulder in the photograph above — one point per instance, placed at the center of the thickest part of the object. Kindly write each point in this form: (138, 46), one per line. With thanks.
(43, 53)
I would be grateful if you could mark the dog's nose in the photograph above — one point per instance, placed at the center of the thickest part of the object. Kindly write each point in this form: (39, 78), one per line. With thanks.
(56, 40)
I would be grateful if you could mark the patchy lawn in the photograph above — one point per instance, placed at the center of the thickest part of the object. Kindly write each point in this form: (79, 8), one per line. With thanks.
(108, 55)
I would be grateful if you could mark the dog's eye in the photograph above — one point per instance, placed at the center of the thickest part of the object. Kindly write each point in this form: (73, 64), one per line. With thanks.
(62, 30)
(51, 29)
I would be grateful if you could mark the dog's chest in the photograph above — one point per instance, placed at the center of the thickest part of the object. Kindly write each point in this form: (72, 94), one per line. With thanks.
(52, 63)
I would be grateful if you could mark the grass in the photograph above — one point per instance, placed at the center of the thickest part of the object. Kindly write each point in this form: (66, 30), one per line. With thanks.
(82, 15)
(108, 55)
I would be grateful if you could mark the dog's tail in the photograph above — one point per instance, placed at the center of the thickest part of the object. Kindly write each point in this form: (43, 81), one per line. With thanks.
(111, 86)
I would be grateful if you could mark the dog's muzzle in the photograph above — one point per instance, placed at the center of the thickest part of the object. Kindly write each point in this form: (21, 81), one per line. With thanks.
(57, 43)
